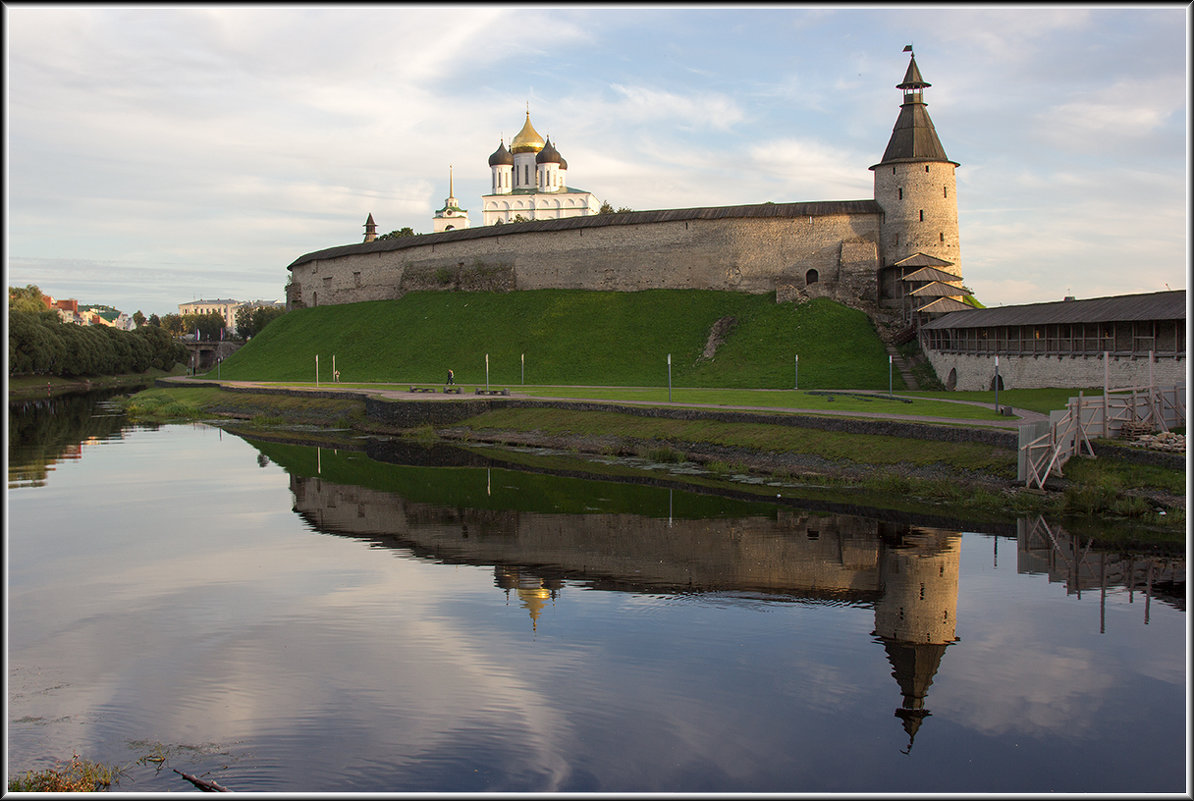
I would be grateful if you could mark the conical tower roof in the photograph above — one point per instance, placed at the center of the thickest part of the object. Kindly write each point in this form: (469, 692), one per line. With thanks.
(527, 140)
(914, 138)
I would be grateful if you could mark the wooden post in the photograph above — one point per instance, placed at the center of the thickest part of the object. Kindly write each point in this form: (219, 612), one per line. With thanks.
(1106, 388)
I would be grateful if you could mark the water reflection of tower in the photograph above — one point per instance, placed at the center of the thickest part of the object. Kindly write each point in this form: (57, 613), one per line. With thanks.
(915, 618)
(533, 591)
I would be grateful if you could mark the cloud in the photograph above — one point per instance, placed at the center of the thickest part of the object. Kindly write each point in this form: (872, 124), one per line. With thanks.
(695, 111)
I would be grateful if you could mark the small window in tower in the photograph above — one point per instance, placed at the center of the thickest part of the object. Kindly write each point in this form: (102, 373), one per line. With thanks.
(945, 191)
(926, 168)
(893, 170)
(943, 237)
(901, 191)
(897, 240)
(922, 215)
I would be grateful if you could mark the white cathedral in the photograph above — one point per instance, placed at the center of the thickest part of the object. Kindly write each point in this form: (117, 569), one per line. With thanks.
(529, 183)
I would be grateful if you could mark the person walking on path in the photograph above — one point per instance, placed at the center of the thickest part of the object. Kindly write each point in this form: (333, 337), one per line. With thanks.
(451, 377)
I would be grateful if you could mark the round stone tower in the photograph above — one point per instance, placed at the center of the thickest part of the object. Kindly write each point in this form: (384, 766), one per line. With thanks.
(915, 186)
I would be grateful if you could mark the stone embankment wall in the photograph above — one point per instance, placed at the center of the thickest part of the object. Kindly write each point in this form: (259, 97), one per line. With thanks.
(977, 372)
(833, 248)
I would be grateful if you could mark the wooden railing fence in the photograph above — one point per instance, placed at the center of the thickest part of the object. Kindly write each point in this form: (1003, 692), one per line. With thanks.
(1046, 446)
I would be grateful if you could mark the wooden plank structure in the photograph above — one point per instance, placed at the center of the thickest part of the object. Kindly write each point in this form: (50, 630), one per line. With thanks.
(1045, 447)
(925, 290)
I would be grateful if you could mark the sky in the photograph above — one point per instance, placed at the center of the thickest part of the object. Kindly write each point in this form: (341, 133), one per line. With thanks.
(161, 154)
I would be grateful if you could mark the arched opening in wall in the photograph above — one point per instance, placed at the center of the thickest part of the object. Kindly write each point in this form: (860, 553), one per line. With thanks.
(811, 277)
(951, 381)
(996, 383)
(314, 299)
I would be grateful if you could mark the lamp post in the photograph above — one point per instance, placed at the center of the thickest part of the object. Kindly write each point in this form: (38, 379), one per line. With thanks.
(997, 383)
(796, 374)
(669, 378)
(889, 363)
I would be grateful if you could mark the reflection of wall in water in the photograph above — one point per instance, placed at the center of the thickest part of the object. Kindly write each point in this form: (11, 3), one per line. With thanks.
(910, 575)
(832, 556)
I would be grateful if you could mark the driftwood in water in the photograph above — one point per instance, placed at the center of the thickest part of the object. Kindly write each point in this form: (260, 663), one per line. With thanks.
(205, 786)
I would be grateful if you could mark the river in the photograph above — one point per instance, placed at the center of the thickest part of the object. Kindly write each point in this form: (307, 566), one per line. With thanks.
(381, 616)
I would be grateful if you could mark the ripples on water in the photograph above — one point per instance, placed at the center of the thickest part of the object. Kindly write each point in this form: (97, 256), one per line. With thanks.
(291, 619)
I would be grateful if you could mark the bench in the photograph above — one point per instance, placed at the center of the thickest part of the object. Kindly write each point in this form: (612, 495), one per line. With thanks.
(480, 391)
(452, 390)
(422, 389)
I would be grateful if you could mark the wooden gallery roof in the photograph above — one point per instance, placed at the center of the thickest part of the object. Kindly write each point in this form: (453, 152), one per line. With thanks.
(1118, 308)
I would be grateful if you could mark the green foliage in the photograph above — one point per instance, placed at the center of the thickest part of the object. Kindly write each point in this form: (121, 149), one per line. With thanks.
(77, 776)
(39, 344)
(401, 232)
(139, 318)
(155, 321)
(26, 299)
(572, 337)
(250, 321)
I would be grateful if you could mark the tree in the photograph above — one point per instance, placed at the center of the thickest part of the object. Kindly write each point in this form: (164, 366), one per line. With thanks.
(173, 324)
(27, 299)
(607, 208)
(251, 320)
(155, 321)
(138, 318)
(401, 232)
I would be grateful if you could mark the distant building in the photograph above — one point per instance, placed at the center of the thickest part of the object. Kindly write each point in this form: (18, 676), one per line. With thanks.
(224, 307)
(451, 217)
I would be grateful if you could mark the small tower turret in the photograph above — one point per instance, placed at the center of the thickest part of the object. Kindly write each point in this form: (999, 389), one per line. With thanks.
(451, 217)
(915, 186)
(548, 167)
(501, 164)
(370, 229)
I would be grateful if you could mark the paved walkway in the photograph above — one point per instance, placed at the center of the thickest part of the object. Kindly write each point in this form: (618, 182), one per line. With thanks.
(1012, 423)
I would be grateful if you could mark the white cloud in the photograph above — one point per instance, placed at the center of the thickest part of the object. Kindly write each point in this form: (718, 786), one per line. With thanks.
(131, 130)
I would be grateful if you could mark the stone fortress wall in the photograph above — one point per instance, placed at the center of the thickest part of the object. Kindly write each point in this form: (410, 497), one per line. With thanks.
(826, 249)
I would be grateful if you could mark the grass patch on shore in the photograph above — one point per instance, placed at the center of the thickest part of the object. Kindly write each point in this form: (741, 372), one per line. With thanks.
(76, 776)
(1036, 400)
(773, 399)
(194, 403)
(831, 445)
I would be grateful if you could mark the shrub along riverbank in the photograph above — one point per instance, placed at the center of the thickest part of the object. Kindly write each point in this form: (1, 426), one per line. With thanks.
(876, 471)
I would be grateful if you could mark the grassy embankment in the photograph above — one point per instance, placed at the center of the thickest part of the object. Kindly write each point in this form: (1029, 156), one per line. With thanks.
(575, 340)
(572, 338)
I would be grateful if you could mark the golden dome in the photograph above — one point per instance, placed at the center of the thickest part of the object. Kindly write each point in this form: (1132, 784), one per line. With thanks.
(527, 140)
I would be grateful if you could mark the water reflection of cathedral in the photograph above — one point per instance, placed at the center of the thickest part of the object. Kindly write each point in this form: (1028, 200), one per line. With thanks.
(907, 574)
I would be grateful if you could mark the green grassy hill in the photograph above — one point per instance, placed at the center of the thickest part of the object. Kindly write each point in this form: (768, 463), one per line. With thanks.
(572, 337)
